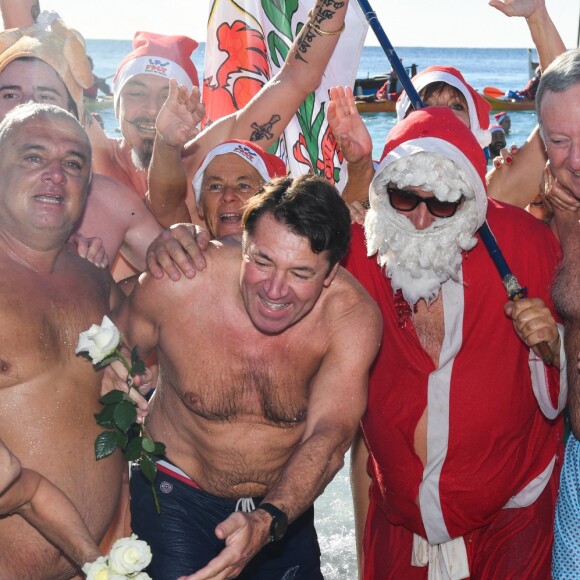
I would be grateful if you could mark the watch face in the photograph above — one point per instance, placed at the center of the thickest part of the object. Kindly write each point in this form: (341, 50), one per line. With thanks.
(279, 523)
(278, 527)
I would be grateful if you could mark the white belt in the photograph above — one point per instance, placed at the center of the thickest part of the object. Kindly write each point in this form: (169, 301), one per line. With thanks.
(447, 561)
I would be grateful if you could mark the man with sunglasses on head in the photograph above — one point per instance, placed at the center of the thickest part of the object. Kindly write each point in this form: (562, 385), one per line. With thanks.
(456, 466)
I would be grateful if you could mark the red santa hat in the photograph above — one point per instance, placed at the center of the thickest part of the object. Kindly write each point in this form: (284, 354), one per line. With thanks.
(266, 164)
(496, 129)
(439, 136)
(499, 117)
(477, 106)
(156, 54)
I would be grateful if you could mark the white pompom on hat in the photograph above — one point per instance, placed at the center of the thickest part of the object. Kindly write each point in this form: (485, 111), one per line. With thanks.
(478, 107)
(438, 131)
(160, 55)
(266, 164)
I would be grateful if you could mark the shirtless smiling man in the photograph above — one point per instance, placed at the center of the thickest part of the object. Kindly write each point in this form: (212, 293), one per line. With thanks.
(48, 295)
(263, 360)
(50, 66)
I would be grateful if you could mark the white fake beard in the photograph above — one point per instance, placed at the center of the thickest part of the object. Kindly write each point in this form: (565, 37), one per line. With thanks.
(418, 262)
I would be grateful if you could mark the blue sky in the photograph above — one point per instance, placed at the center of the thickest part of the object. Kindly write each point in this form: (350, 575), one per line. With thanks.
(445, 23)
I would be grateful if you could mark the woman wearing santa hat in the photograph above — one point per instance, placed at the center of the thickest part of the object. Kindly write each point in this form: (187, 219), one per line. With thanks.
(516, 184)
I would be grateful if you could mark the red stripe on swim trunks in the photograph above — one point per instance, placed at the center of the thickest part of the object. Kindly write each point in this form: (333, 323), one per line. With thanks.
(175, 472)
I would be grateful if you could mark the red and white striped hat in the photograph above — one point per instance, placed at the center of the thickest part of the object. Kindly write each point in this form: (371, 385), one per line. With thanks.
(156, 54)
(478, 107)
(433, 130)
(266, 164)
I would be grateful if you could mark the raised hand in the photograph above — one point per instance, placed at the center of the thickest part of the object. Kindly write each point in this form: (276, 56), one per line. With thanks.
(524, 8)
(180, 115)
(347, 125)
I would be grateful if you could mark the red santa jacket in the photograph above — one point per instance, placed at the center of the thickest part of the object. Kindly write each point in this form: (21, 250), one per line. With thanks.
(489, 437)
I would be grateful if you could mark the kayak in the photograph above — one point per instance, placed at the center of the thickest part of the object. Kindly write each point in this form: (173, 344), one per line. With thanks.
(503, 104)
(376, 107)
(506, 104)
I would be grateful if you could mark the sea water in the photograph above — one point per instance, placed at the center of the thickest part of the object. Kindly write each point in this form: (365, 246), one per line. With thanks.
(503, 68)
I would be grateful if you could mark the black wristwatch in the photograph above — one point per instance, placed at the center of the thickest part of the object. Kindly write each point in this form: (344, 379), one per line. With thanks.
(279, 523)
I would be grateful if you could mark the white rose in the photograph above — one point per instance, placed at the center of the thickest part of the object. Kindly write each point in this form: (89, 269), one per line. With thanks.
(97, 570)
(129, 555)
(99, 341)
(142, 576)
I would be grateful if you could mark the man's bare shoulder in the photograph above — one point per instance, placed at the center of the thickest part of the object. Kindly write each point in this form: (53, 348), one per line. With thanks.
(223, 260)
(347, 300)
(113, 189)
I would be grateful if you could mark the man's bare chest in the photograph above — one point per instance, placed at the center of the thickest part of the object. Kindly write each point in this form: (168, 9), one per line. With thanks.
(430, 327)
(40, 323)
(237, 375)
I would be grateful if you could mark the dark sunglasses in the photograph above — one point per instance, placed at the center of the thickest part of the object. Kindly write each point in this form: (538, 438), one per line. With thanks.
(403, 200)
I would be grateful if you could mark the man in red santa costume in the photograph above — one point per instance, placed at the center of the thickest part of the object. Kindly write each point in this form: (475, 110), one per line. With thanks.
(455, 475)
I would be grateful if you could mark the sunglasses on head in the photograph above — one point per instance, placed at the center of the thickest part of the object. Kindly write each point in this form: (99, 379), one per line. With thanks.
(404, 200)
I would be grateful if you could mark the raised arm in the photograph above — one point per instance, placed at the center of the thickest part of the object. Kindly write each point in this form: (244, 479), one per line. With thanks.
(19, 13)
(176, 124)
(355, 143)
(265, 117)
(519, 183)
(43, 505)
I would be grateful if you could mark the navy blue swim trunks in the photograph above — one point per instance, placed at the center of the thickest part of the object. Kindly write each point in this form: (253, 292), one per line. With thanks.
(183, 540)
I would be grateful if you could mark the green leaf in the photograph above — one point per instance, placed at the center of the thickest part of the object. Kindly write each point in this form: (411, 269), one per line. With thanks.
(124, 415)
(148, 444)
(122, 439)
(112, 397)
(134, 356)
(148, 468)
(277, 49)
(280, 13)
(105, 444)
(133, 450)
(105, 417)
(159, 448)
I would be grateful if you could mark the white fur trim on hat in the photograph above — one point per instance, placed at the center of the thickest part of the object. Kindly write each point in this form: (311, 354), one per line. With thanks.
(428, 178)
(483, 136)
(149, 65)
(239, 149)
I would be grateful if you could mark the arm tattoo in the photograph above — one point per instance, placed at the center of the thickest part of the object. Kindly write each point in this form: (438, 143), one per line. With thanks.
(35, 11)
(264, 131)
(326, 11)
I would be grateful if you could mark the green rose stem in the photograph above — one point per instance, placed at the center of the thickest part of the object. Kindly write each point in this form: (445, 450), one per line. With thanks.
(119, 416)
(148, 445)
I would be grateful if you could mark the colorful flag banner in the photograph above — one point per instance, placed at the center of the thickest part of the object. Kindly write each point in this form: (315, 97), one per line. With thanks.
(247, 42)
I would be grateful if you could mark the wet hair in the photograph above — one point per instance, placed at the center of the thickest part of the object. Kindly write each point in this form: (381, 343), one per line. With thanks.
(23, 113)
(562, 74)
(439, 86)
(71, 105)
(310, 207)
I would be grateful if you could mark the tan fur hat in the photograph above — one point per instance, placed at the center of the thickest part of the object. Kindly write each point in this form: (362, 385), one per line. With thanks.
(61, 47)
